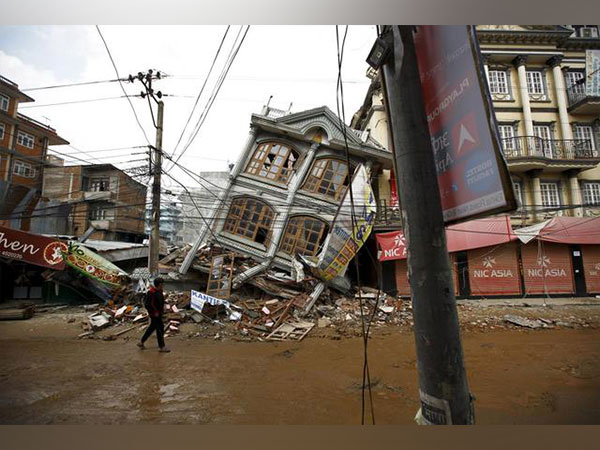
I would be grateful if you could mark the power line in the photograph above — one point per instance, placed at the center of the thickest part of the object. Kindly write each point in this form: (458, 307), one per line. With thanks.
(90, 100)
(121, 84)
(201, 90)
(84, 83)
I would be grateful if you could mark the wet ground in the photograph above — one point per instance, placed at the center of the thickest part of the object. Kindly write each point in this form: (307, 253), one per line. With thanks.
(519, 376)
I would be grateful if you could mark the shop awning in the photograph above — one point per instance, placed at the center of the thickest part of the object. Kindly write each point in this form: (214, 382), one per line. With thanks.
(463, 236)
(563, 230)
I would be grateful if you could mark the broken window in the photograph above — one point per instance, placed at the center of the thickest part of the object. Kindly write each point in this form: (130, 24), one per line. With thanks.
(250, 218)
(303, 235)
(328, 177)
(273, 161)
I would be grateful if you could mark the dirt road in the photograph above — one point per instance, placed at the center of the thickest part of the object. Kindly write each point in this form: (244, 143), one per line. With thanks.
(518, 376)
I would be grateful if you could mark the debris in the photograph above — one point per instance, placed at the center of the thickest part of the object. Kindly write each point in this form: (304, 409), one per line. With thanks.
(127, 330)
(99, 321)
(291, 330)
(386, 309)
(85, 334)
(522, 321)
(17, 313)
(323, 322)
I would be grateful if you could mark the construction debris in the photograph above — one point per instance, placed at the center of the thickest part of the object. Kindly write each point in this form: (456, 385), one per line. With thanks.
(17, 313)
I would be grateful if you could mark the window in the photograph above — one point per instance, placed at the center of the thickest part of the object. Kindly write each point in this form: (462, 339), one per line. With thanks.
(273, 161)
(518, 193)
(507, 136)
(250, 218)
(591, 194)
(99, 184)
(543, 143)
(588, 31)
(328, 177)
(585, 135)
(498, 82)
(98, 212)
(550, 196)
(4, 102)
(25, 139)
(303, 235)
(535, 83)
(574, 84)
(1, 131)
(23, 169)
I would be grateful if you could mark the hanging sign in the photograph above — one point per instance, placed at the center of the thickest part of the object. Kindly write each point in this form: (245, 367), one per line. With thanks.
(32, 248)
(472, 174)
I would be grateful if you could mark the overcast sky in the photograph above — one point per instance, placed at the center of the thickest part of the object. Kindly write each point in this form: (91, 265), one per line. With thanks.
(294, 64)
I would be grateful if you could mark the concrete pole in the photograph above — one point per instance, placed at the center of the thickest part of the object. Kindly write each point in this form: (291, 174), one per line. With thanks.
(153, 255)
(440, 362)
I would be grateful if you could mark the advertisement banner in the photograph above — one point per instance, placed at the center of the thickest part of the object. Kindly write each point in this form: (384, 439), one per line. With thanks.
(592, 71)
(343, 242)
(473, 177)
(199, 299)
(92, 265)
(392, 245)
(32, 248)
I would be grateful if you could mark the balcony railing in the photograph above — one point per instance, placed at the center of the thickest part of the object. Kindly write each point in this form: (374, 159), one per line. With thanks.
(533, 146)
(386, 214)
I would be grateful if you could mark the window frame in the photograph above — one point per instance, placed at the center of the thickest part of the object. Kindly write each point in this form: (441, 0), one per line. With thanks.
(545, 194)
(96, 182)
(292, 242)
(317, 181)
(504, 138)
(257, 163)
(572, 81)
(581, 126)
(4, 98)
(544, 145)
(529, 75)
(98, 212)
(248, 223)
(23, 169)
(23, 138)
(518, 189)
(591, 189)
(494, 73)
(2, 129)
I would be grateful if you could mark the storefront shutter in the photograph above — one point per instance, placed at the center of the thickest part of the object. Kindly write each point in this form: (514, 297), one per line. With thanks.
(591, 267)
(494, 270)
(547, 268)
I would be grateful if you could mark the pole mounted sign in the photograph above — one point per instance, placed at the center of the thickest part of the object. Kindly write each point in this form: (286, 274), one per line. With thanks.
(472, 175)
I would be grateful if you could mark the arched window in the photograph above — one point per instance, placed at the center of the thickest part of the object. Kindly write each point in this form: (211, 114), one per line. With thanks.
(303, 234)
(273, 161)
(328, 177)
(250, 218)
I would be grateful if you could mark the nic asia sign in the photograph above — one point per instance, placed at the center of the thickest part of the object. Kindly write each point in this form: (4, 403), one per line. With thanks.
(472, 174)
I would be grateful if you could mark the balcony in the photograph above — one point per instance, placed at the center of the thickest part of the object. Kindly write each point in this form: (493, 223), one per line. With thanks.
(387, 216)
(555, 155)
(580, 102)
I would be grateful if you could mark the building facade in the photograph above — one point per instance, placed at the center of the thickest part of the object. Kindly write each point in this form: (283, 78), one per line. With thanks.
(99, 196)
(285, 189)
(23, 151)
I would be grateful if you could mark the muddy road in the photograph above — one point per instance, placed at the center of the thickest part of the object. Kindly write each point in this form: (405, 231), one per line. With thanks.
(519, 376)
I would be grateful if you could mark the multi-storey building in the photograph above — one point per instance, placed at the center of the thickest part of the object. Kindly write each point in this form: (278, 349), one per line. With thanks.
(548, 123)
(23, 149)
(99, 196)
(286, 187)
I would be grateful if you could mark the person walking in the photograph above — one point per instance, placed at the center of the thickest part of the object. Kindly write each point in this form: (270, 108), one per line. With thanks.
(155, 303)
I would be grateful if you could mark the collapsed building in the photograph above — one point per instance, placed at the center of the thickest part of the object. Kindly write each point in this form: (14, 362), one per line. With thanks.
(286, 187)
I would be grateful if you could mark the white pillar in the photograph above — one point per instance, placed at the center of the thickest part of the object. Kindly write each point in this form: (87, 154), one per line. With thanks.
(561, 97)
(241, 162)
(519, 62)
(576, 197)
(537, 196)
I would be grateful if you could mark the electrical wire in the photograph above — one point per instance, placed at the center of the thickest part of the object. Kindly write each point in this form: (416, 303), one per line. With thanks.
(121, 84)
(90, 100)
(84, 83)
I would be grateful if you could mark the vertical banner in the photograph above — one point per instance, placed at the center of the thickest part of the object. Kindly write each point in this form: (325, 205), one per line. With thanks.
(344, 241)
(472, 175)
(592, 73)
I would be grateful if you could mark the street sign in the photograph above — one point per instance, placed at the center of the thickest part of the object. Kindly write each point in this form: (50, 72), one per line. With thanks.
(472, 175)
(32, 248)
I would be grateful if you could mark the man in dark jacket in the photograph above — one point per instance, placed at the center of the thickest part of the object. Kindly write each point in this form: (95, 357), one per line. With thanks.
(155, 304)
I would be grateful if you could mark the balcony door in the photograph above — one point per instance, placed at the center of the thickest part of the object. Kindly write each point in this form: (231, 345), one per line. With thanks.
(543, 141)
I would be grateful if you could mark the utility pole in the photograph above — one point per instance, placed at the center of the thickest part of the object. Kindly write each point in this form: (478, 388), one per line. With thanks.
(444, 391)
(156, 167)
(155, 215)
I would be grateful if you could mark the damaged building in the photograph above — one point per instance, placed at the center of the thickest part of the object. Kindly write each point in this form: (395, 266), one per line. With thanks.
(286, 187)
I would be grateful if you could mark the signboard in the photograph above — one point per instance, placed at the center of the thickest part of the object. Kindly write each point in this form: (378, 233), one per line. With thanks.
(343, 242)
(92, 265)
(392, 245)
(472, 175)
(199, 299)
(32, 248)
(592, 71)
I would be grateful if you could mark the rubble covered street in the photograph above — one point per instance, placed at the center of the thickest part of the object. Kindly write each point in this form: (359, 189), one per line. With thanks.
(528, 364)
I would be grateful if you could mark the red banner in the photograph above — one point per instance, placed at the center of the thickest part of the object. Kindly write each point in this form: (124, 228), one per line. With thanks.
(31, 248)
(392, 245)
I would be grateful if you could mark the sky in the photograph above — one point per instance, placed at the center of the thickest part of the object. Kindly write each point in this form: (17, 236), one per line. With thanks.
(294, 64)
